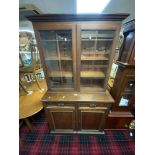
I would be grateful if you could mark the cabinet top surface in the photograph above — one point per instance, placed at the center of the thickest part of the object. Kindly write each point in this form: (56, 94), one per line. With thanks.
(77, 17)
(77, 97)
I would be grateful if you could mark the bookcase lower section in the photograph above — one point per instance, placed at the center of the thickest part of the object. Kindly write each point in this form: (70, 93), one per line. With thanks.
(81, 116)
(77, 117)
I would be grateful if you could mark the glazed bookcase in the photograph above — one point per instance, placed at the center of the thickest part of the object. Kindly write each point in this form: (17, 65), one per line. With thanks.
(77, 53)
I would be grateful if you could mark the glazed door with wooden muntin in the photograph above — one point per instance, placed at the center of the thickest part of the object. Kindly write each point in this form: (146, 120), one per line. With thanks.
(58, 50)
(96, 44)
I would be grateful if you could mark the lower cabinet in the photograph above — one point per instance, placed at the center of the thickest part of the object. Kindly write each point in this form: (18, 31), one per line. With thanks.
(119, 120)
(76, 117)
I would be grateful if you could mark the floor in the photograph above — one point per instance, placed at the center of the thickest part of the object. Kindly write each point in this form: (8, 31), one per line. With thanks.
(41, 142)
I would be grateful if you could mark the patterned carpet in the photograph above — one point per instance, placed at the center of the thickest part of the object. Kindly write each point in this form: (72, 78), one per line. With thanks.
(40, 142)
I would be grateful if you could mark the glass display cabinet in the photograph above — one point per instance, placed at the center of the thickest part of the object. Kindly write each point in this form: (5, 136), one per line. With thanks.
(123, 92)
(123, 89)
(77, 53)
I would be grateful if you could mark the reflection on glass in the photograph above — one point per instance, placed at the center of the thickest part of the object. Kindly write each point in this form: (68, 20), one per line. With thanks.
(95, 52)
(58, 55)
(124, 101)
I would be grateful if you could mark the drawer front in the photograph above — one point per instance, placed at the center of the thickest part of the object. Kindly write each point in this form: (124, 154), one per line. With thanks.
(95, 105)
(60, 104)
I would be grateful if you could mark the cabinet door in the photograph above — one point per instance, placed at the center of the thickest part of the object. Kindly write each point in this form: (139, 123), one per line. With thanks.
(61, 118)
(126, 99)
(96, 44)
(92, 119)
(127, 96)
(57, 47)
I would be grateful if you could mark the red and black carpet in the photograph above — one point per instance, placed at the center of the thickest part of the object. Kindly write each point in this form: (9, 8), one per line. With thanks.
(40, 142)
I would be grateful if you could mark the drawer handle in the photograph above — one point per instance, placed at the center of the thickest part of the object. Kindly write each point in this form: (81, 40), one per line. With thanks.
(92, 105)
(61, 104)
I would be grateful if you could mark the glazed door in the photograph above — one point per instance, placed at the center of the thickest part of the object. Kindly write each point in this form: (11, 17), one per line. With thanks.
(96, 44)
(58, 50)
(127, 96)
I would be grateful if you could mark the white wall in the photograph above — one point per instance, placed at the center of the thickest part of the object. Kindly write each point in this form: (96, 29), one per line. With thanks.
(48, 6)
(121, 6)
(53, 6)
(69, 6)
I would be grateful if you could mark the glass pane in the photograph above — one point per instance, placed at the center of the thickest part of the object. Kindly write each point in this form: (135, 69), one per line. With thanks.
(95, 52)
(58, 55)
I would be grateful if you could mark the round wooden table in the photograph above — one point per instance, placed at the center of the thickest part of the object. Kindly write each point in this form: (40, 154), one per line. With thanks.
(30, 104)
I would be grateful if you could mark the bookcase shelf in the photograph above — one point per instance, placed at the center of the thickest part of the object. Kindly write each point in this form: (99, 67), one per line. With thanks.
(61, 74)
(92, 74)
(95, 57)
(57, 58)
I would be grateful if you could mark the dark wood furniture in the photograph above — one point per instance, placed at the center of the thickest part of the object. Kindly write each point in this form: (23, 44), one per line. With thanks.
(127, 51)
(123, 92)
(119, 120)
(123, 89)
(68, 112)
(77, 53)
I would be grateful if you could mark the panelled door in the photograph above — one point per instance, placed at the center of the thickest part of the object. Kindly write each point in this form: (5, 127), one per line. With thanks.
(61, 117)
(91, 117)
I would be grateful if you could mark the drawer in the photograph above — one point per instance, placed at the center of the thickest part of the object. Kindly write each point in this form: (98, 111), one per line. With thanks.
(60, 104)
(93, 105)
